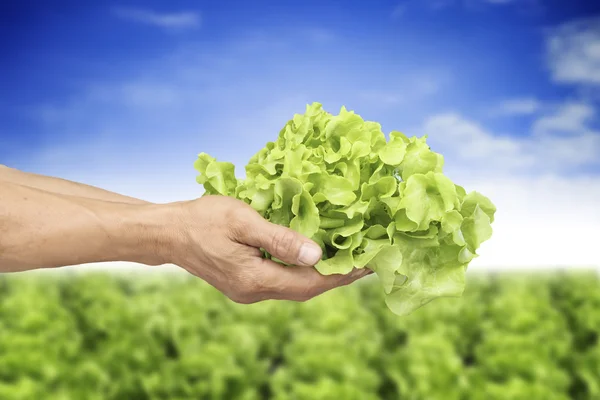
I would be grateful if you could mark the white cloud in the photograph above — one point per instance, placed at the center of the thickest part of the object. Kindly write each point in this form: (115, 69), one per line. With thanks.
(570, 118)
(574, 52)
(560, 152)
(517, 106)
(566, 137)
(471, 142)
(174, 20)
(560, 141)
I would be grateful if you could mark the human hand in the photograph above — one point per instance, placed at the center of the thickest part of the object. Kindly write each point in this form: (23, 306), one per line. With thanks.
(218, 239)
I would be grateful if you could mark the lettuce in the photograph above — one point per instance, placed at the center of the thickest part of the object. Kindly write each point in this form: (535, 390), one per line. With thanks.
(367, 201)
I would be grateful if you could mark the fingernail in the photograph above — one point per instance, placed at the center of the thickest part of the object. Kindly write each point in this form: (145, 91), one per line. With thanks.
(310, 254)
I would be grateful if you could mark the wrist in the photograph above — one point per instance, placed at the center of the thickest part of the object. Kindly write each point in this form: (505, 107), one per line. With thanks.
(148, 233)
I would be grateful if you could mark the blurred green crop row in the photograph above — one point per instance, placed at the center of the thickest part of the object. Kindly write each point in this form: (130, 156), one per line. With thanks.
(170, 336)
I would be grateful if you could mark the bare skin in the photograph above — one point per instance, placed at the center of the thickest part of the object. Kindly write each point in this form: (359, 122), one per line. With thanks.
(62, 186)
(48, 222)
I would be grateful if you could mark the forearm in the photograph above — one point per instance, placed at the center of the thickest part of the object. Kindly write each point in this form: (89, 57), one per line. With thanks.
(39, 229)
(62, 186)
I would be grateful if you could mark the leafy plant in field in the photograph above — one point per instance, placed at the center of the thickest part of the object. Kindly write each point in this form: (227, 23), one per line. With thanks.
(586, 366)
(577, 295)
(331, 352)
(114, 346)
(525, 342)
(427, 367)
(430, 353)
(208, 352)
(38, 341)
(173, 337)
(367, 201)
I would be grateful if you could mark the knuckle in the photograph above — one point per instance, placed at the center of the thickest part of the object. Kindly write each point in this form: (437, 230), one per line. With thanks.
(235, 219)
(253, 285)
(238, 214)
(283, 242)
(230, 212)
(248, 289)
(238, 222)
(250, 282)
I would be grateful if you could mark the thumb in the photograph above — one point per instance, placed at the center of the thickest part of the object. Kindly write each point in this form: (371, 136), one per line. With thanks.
(283, 243)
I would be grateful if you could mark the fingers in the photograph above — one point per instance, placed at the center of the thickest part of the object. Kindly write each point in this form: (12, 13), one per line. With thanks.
(283, 243)
(270, 280)
(302, 283)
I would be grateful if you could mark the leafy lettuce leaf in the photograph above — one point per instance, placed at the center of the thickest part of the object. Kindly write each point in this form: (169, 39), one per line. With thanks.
(368, 201)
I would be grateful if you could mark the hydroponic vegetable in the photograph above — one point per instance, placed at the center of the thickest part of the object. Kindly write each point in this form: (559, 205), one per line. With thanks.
(369, 202)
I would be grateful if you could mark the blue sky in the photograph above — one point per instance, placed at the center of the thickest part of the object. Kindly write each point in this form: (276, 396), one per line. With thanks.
(124, 95)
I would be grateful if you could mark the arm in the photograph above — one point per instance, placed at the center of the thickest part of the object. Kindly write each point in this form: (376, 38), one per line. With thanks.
(216, 238)
(62, 186)
(40, 229)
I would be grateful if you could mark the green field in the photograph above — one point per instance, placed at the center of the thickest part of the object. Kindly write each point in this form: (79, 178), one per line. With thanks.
(160, 336)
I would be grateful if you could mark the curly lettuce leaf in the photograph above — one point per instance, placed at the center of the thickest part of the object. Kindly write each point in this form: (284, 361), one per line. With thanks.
(367, 201)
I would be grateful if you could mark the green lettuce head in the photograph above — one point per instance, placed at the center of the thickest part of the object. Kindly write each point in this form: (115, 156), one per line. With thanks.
(367, 201)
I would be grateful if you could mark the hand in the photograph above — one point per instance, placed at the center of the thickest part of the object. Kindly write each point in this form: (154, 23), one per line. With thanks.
(220, 242)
